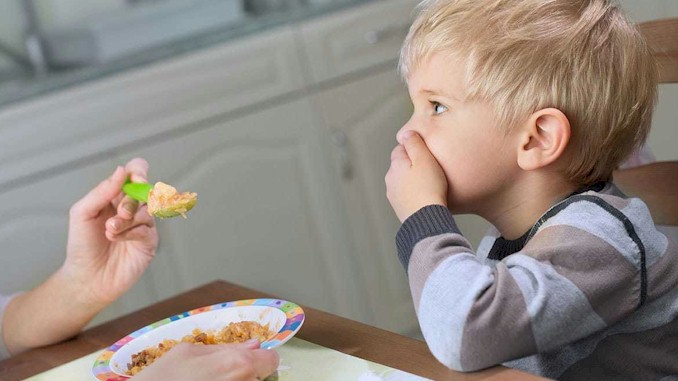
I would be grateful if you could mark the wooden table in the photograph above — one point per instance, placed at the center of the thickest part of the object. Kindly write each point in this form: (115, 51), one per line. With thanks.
(356, 339)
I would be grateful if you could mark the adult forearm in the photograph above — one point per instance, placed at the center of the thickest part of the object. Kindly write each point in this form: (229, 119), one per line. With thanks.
(54, 311)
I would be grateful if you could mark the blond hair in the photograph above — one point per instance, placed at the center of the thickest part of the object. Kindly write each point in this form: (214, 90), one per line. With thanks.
(583, 57)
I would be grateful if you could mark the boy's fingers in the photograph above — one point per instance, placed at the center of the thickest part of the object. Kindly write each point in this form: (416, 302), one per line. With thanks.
(99, 197)
(399, 153)
(415, 147)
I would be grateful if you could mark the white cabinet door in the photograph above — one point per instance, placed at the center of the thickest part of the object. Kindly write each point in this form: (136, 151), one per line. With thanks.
(34, 229)
(356, 38)
(363, 118)
(55, 130)
(66, 131)
(266, 217)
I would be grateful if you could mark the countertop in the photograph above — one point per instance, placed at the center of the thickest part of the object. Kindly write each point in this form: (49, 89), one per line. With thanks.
(23, 85)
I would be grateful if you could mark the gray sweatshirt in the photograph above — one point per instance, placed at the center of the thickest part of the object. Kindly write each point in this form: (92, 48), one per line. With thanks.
(589, 293)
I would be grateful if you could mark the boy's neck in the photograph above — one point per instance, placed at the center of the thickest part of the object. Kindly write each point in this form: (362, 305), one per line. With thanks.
(525, 202)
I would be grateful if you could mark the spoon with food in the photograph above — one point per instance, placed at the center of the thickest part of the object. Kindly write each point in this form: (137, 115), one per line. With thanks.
(163, 200)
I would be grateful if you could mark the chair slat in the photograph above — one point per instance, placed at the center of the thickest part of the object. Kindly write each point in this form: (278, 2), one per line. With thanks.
(662, 36)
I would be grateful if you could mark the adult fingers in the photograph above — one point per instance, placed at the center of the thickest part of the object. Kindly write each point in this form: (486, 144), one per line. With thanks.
(117, 225)
(138, 233)
(127, 208)
(248, 362)
(239, 361)
(266, 362)
(252, 344)
(137, 169)
(100, 197)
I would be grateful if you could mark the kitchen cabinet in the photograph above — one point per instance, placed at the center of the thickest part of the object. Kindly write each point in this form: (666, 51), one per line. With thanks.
(362, 118)
(63, 143)
(34, 221)
(285, 135)
(85, 122)
(266, 215)
(357, 38)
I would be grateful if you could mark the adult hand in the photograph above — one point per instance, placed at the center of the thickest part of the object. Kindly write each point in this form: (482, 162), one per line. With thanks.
(415, 179)
(111, 239)
(224, 362)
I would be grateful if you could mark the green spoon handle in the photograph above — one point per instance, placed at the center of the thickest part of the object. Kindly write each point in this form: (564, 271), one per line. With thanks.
(137, 191)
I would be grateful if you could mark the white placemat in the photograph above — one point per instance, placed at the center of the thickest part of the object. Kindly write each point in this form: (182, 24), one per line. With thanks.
(299, 361)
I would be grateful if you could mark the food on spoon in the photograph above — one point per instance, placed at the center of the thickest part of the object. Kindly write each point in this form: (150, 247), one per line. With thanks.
(164, 201)
(233, 333)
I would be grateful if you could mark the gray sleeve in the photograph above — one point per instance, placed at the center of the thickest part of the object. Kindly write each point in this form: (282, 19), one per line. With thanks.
(575, 277)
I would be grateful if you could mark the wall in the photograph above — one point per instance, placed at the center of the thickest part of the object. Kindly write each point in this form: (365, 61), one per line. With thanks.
(51, 13)
(11, 30)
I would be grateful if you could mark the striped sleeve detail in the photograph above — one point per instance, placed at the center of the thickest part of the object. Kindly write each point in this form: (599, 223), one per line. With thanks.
(432, 252)
(507, 310)
(449, 294)
(663, 273)
(428, 221)
(595, 216)
(609, 283)
(578, 274)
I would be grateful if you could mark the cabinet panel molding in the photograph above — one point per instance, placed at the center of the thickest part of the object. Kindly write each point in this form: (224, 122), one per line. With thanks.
(369, 124)
(357, 38)
(262, 219)
(172, 95)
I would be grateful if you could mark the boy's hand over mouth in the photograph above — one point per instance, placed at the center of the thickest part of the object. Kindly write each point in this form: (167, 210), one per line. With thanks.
(415, 179)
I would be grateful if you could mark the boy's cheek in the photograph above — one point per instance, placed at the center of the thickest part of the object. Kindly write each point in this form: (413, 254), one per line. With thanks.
(452, 201)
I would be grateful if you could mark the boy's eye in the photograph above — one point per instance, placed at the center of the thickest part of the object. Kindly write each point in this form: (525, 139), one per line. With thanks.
(438, 108)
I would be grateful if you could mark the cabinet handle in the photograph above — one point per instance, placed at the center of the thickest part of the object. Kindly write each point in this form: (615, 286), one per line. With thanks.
(340, 140)
(374, 37)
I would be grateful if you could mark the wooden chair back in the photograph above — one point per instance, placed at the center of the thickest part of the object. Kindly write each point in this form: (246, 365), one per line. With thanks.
(662, 36)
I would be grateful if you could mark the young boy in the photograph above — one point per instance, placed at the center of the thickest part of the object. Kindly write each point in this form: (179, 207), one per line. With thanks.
(522, 110)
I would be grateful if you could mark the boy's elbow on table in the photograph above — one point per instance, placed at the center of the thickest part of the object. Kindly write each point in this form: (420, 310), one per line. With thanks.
(467, 354)
(485, 327)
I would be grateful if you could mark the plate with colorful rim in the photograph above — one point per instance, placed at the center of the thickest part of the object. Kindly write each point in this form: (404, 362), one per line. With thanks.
(283, 317)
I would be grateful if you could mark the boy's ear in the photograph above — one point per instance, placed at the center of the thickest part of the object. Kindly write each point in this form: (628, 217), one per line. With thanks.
(544, 139)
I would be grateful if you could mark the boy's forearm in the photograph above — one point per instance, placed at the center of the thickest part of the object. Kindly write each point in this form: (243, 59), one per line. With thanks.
(454, 293)
(52, 312)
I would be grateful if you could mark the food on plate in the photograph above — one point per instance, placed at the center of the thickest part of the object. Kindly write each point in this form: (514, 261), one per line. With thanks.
(164, 201)
(233, 333)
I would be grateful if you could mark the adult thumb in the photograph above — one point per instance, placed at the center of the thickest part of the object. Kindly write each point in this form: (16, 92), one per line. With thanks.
(100, 197)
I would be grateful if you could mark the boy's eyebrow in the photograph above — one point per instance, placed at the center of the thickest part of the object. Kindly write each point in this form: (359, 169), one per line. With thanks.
(441, 93)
